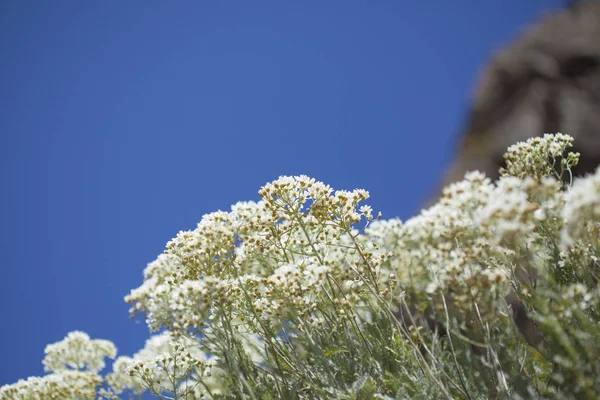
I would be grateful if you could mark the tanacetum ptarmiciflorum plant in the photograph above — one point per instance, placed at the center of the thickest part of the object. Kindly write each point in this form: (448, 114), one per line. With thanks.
(490, 293)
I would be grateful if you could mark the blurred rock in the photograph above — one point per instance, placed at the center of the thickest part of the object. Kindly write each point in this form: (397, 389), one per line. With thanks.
(546, 81)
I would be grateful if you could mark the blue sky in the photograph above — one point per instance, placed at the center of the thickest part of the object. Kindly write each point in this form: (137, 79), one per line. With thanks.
(124, 122)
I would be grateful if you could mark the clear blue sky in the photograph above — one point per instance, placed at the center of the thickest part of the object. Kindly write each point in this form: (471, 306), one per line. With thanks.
(123, 122)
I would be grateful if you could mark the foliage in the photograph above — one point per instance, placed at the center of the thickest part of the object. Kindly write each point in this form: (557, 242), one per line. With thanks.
(490, 293)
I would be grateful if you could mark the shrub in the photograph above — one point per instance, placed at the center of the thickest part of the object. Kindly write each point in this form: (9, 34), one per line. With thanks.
(490, 293)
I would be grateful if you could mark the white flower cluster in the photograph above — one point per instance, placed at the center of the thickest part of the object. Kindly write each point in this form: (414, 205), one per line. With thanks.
(74, 363)
(166, 364)
(537, 157)
(277, 252)
(77, 352)
(58, 385)
(482, 233)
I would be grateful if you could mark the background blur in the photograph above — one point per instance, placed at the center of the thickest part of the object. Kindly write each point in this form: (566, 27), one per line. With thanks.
(124, 122)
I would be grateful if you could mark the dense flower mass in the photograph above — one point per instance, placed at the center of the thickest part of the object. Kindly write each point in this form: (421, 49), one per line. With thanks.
(490, 293)
(78, 352)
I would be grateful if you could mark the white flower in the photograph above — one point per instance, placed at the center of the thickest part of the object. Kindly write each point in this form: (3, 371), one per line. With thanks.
(367, 212)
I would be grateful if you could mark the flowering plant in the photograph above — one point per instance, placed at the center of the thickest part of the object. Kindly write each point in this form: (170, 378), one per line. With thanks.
(490, 293)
